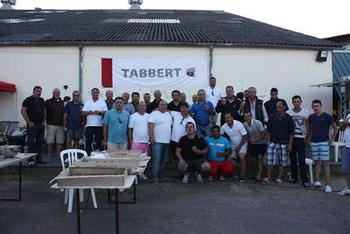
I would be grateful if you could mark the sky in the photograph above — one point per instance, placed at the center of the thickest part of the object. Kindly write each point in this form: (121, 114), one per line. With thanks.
(319, 18)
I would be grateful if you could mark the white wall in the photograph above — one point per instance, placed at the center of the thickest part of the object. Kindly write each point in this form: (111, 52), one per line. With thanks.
(49, 67)
(291, 71)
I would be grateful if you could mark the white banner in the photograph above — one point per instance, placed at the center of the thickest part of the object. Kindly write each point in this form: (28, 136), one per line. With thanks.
(160, 72)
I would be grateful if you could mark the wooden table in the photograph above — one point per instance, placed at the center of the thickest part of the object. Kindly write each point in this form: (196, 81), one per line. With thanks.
(136, 171)
(19, 158)
(127, 185)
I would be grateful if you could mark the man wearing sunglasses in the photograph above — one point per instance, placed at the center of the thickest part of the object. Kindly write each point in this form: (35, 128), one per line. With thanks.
(115, 127)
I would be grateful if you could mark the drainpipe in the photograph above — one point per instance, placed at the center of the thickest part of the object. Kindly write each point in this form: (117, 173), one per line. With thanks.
(211, 48)
(80, 68)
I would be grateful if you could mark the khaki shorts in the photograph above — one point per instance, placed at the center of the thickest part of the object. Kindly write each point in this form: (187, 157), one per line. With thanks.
(54, 134)
(114, 147)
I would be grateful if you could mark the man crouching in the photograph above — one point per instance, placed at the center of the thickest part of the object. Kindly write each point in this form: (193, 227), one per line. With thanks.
(191, 152)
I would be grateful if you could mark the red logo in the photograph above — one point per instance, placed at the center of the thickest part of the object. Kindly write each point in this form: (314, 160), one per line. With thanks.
(191, 72)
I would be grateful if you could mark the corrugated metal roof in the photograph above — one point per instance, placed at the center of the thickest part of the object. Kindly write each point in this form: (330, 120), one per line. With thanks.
(341, 65)
(146, 27)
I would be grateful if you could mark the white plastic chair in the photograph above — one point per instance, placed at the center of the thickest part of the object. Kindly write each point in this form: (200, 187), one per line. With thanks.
(309, 163)
(337, 145)
(71, 156)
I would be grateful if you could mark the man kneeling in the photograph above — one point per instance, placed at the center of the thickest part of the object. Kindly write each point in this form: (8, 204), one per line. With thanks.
(190, 152)
(219, 151)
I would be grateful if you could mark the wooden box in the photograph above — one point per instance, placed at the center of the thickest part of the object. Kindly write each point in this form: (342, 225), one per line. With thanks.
(91, 177)
(125, 154)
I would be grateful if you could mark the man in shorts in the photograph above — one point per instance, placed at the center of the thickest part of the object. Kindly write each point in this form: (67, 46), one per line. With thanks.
(345, 164)
(73, 121)
(190, 152)
(54, 123)
(320, 123)
(257, 141)
(219, 155)
(280, 126)
(238, 140)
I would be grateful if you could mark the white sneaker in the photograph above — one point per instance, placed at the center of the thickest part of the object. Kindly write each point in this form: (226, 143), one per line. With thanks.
(199, 178)
(185, 179)
(317, 184)
(344, 192)
(143, 177)
(328, 189)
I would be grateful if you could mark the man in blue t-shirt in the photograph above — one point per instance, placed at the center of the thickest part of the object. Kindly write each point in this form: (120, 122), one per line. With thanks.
(201, 113)
(115, 127)
(73, 121)
(320, 123)
(219, 155)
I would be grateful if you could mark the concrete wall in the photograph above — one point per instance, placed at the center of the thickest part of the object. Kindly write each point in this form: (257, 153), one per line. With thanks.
(49, 67)
(291, 71)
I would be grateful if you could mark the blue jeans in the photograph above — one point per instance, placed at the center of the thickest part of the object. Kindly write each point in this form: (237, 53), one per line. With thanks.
(35, 139)
(159, 155)
(203, 131)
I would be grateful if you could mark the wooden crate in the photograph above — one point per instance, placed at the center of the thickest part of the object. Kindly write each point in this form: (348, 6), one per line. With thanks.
(91, 177)
(126, 154)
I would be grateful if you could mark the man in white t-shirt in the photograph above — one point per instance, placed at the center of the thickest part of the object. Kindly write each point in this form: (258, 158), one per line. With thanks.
(94, 109)
(213, 95)
(300, 117)
(138, 129)
(180, 119)
(235, 130)
(159, 129)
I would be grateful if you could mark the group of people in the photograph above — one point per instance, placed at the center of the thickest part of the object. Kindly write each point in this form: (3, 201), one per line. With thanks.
(190, 133)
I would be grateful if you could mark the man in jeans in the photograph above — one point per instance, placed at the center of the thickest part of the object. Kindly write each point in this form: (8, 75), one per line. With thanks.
(281, 129)
(54, 123)
(33, 112)
(115, 127)
(73, 121)
(159, 129)
(190, 153)
(94, 109)
(201, 112)
(320, 123)
(301, 118)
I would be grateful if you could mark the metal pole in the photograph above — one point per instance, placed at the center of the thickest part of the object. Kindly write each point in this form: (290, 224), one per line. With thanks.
(78, 210)
(20, 182)
(116, 203)
(81, 68)
(211, 48)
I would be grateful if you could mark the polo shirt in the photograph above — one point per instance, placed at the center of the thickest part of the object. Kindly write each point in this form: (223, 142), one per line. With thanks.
(74, 116)
(201, 116)
(215, 146)
(235, 133)
(179, 125)
(91, 105)
(320, 126)
(117, 122)
(35, 108)
(213, 95)
(54, 111)
(254, 130)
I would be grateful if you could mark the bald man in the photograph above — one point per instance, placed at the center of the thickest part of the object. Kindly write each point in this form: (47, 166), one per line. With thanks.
(54, 122)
